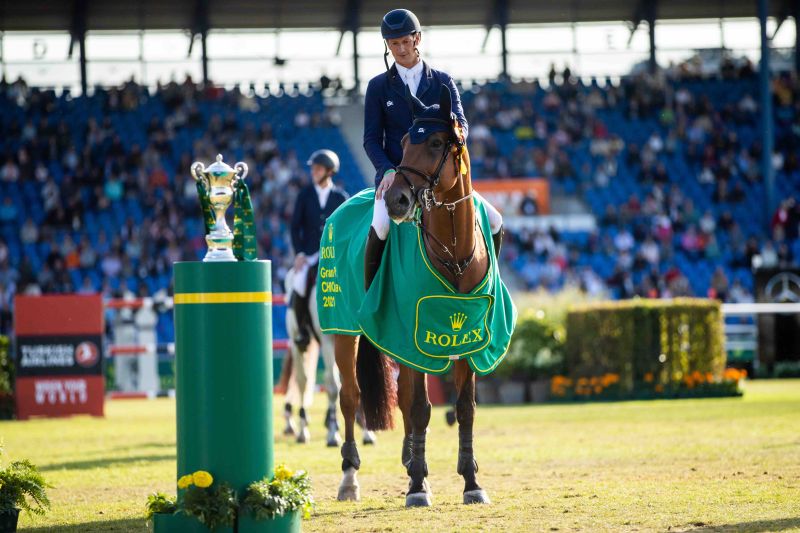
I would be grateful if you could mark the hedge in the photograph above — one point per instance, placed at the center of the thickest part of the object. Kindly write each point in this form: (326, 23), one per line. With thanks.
(663, 342)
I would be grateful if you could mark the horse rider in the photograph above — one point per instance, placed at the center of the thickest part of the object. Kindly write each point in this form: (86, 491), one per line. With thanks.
(313, 206)
(387, 118)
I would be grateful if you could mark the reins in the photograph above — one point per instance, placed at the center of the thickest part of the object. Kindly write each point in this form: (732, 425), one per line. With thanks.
(426, 198)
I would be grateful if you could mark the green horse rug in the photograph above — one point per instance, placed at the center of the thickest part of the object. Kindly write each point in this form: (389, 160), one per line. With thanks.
(410, 312)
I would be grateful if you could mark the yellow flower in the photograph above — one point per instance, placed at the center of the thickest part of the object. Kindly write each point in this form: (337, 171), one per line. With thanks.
(185, 481)
(281, 472)
(202, 479)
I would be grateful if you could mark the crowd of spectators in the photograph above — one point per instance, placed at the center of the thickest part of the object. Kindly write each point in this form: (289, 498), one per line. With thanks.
(73, 169)
(587, 135)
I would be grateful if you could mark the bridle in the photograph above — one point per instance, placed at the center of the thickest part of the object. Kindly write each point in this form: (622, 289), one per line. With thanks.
(426, 198)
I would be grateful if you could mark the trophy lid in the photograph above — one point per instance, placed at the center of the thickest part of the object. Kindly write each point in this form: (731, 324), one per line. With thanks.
(220, 167)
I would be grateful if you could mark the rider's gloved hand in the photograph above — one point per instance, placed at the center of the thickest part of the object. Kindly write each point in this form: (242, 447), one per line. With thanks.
(386, 182)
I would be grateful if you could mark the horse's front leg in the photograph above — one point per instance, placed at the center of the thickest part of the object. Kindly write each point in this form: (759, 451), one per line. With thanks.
(465, 414)
(349, 399)
(333, 384)
(405, 395)
(302, 382)
(419, 494)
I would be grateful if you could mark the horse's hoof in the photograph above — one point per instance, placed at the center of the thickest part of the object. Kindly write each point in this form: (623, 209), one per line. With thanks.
(304, 436)
(290, 430)
(350, 493)
(476, 496)
(370, 438)
(335, 440)
(349, 489)
(418, 499)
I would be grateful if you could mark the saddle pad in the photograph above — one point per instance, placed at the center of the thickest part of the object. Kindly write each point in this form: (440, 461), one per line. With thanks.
(411, 313)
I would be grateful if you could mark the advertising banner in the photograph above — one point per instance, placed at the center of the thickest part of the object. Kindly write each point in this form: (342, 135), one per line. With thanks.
(59, 355)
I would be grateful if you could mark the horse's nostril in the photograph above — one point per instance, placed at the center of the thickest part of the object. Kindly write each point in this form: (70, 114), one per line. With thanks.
(403, 200)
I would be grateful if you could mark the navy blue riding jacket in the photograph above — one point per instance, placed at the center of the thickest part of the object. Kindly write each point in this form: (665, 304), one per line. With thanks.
(387, 115)
(308, 219)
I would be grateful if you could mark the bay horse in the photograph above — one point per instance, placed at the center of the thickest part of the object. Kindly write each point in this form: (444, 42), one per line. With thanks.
(433, 178)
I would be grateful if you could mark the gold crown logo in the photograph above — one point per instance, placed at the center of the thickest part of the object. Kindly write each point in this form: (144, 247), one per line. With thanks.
(457, 321)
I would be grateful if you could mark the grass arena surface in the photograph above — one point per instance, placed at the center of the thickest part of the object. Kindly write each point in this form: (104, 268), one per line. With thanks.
(681, 465)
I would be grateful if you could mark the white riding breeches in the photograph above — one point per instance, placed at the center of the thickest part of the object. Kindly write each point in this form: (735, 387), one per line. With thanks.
(380, 219)
(495, 218)
(300, 276)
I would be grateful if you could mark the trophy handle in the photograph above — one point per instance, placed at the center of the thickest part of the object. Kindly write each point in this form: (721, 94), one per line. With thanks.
(198, 171)
(241, 170)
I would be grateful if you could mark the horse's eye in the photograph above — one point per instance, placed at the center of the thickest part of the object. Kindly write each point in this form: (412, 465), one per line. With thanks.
(436, 143)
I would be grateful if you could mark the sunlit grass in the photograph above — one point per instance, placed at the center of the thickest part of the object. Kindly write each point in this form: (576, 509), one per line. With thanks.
(718, 464)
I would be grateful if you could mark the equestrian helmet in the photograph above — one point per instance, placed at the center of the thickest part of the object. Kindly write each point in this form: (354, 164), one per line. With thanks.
(399, 23)
(326, 158)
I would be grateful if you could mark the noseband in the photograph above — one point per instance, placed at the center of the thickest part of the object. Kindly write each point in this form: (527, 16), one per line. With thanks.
(426, 199)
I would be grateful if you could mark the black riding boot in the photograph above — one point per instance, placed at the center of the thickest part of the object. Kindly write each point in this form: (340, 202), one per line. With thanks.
(303, 318)
(497, 240)
(372, 256)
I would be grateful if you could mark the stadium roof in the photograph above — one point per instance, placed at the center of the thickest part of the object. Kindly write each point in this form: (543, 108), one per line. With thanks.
(55, 15)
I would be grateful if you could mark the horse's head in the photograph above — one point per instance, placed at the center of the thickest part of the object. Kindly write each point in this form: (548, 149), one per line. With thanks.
(434, 140)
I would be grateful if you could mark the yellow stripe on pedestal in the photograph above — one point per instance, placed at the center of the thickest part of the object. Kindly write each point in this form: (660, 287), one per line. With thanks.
(224, 298)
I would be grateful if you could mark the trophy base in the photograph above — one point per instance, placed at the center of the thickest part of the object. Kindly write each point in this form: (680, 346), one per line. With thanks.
(219, 255)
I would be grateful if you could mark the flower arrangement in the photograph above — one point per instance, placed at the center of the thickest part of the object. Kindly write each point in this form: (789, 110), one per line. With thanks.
(213, 505)
(160, 503)
(216, 504)
(287, 492)
(607, 386)
(562, 386)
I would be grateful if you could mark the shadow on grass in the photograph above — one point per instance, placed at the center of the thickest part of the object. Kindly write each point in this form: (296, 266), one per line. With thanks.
(136, 447)
(131, 524)
(105, 462)
(756, 526)
(364, 511)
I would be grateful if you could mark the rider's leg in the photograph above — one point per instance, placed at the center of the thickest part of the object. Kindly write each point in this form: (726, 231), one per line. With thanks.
(495, 222)
(300, 308)
(376, 241)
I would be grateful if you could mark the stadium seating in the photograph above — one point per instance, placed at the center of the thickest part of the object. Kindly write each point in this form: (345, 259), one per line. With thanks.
(108, 174)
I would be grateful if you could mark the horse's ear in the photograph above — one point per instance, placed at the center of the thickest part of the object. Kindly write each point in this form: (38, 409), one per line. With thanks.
(445, 102)
(414, 103)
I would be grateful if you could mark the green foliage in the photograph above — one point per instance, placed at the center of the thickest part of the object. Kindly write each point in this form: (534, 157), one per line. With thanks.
(214, 506)
(23, 486)
(787, 369)
(285, 493)
(158, 502)
(661, 340)
(6, 367)
(537, 348)
(6, 380)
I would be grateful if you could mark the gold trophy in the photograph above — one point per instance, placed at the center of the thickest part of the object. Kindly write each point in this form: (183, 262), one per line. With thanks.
(219, 179)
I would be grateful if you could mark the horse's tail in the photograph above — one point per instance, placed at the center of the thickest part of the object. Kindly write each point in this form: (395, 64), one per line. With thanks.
(377, 384)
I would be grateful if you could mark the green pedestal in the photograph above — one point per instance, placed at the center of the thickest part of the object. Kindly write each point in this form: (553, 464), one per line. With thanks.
(180, 523)
(288, 523)
(223, 342)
